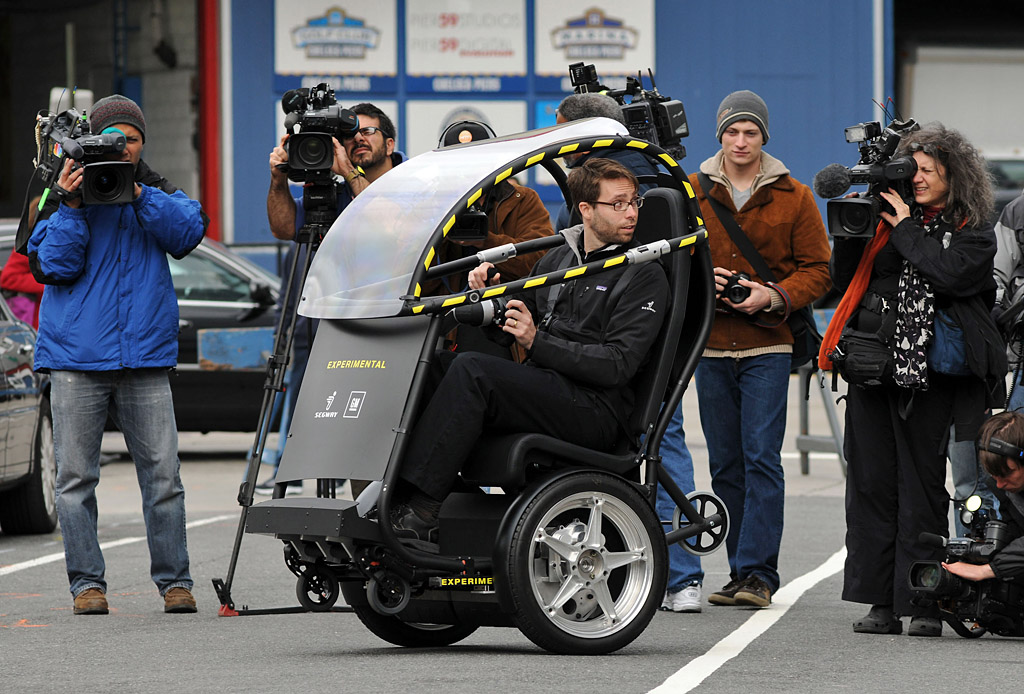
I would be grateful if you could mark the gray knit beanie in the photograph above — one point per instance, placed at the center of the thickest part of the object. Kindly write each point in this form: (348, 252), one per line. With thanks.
(114, 109)
(742, 105)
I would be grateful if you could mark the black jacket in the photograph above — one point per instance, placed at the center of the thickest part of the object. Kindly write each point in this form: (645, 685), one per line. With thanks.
(961, 278)
(596, 346)
(1008, 563)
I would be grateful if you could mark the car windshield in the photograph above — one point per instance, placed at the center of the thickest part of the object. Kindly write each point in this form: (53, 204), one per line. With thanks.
(1009, 173)
(366, 261)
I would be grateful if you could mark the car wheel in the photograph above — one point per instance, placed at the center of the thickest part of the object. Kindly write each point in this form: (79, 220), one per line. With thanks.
(586, 566)
(32, 506)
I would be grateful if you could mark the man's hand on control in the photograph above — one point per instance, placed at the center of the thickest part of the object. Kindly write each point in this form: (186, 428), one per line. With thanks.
(478, 276)
(71, 180)
(519, 323)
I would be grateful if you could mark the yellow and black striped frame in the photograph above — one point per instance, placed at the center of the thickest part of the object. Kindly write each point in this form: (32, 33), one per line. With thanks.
(417, 305)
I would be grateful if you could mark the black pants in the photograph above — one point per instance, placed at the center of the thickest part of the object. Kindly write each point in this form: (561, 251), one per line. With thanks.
(480, 394)
(895, 488)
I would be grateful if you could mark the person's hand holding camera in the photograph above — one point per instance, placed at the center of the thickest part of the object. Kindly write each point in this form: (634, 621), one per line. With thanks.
(481, 276)
(758, 299)
(902, 209)
(972, 572)
(278, 162)
(519, 323)
(69, 181)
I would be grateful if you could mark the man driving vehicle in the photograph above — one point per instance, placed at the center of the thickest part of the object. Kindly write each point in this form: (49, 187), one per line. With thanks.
(582, 354)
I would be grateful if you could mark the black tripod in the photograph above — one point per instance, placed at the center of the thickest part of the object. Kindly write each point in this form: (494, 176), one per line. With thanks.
(308, 239)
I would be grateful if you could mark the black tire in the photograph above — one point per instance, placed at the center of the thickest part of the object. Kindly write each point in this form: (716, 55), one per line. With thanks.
(317, 590)
(410, 634)
(566, 568)
(31, 508)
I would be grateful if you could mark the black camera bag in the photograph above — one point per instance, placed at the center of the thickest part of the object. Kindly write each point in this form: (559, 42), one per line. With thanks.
(863, 359)
(806, 338)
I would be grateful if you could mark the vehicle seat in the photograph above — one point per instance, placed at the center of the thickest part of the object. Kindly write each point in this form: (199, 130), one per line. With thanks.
(508, 461)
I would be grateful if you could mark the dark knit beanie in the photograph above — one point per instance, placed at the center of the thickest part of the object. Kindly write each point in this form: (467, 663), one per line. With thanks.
(743, 105)
(115, 109)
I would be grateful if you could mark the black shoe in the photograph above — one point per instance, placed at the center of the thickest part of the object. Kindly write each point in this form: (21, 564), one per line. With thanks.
(925, 626)
(879, 620)
(410, 526)
(266, 488)
(727, 596)
(754, 592)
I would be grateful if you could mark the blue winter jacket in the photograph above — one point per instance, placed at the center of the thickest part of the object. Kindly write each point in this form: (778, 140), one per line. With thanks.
(110, 303)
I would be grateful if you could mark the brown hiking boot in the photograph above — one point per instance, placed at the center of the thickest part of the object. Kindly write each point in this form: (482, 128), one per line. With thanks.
(179, 600)
(91, 601)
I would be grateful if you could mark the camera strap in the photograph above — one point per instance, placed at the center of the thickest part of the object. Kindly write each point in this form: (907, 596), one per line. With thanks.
(741, 240)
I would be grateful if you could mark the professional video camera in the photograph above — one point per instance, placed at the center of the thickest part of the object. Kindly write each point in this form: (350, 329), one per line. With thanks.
(67, 135)
(311, 150)
(649, 115)
(970, 607)
(877, 168)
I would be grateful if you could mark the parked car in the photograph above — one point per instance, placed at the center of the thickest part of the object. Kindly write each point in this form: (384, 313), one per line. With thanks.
(226, 311)
(28, 468)
(1008, 172)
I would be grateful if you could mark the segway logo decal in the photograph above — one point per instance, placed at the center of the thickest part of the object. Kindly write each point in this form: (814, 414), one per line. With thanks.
(330, 399)
(355, 404)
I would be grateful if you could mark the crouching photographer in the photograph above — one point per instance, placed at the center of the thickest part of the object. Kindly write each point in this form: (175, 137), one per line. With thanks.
(913, 338)
(991, 562)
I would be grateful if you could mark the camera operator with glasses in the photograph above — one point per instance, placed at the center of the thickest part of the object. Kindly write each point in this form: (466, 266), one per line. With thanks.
(359, 160)
(1000, 443)
(929, 261)
(108, 334)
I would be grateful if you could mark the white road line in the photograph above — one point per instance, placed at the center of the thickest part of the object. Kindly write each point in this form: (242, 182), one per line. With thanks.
(699, 669)
(4, 570)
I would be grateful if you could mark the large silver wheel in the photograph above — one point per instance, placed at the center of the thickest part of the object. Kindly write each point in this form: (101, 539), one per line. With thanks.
(586, 565)
(32, 506)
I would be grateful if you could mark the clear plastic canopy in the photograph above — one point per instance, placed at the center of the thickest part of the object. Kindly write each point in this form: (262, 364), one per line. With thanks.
(366, 260)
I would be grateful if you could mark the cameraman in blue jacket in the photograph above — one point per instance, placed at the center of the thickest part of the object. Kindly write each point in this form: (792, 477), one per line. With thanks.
(108, 329)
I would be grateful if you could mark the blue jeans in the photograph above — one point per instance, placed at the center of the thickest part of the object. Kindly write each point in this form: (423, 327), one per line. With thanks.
(676, 461)
(1016, 403)
(969, 477)
(140, 403)
(743, 414)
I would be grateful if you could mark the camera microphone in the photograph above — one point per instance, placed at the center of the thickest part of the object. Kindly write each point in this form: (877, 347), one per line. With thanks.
(832, 181)
(932, 540)
(294, 99)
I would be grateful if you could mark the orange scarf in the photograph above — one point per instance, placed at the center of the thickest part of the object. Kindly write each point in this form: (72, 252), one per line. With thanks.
(854, 293)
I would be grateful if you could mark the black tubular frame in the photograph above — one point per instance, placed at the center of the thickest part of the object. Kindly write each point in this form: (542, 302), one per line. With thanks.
(435, 307)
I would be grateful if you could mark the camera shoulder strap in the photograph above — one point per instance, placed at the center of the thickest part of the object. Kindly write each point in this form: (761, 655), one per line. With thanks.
(741, 240)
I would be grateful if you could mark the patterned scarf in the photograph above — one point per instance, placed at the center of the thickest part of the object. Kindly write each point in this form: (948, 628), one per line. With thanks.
(915, 319)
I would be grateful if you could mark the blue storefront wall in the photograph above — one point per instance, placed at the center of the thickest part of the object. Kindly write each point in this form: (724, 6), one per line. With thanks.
(814, 63)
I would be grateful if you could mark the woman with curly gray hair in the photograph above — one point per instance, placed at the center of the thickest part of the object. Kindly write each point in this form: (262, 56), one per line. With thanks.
(918, 294)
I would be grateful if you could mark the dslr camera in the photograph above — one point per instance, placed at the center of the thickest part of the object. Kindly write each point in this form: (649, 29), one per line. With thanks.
(319, 118)
(649, 115)
(970, 607)
(67, 136)
(734, 291)
(877, 168)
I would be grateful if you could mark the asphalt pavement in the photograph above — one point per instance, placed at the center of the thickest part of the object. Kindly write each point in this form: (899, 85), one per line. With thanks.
(803, 643)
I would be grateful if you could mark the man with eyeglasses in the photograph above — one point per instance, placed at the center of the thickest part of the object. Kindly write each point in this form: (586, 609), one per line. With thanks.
(585, 343)
(743, 376)
(359, 160)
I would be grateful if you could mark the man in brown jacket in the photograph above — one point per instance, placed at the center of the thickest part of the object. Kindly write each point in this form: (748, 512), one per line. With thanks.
(743, 376)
